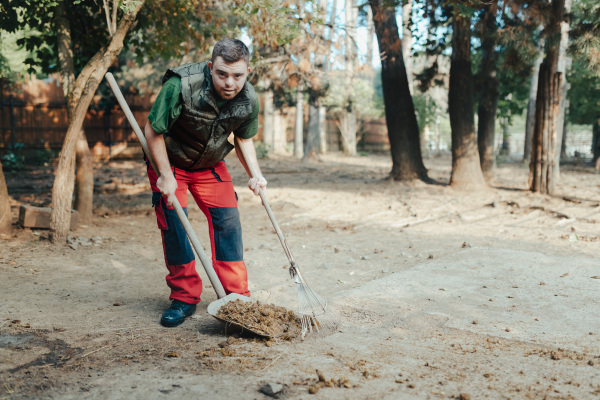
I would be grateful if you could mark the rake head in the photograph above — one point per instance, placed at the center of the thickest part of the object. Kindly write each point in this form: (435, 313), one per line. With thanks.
(314, 312)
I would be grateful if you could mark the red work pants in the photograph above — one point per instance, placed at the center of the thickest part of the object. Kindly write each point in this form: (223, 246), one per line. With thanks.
(212, 189)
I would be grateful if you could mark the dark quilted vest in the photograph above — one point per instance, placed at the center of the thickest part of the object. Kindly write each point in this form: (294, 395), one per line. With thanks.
(198, 138)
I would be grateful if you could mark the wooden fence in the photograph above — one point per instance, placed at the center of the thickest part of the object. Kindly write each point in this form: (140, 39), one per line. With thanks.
(35, 118)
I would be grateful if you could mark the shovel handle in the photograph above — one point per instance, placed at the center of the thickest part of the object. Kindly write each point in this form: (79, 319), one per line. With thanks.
(253, 174)
(206, 262)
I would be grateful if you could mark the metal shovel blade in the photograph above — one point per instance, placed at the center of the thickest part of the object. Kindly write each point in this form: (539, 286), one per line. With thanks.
(213, 309)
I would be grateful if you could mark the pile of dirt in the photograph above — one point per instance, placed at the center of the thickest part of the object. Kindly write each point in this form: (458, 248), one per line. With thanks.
(266, 319)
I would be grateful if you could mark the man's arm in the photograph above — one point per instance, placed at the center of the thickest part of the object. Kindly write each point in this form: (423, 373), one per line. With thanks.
(248, 159)
(166, 182)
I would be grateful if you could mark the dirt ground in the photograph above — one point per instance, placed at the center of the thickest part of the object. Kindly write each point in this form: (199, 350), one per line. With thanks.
(443, 294)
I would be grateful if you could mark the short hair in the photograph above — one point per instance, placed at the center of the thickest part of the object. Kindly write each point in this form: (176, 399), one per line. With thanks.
(231, 50)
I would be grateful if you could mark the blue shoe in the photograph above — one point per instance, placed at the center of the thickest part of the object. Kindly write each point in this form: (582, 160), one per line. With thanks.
(177, 313)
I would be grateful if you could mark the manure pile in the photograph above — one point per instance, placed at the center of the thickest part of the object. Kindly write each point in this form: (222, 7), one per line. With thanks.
(267, 319)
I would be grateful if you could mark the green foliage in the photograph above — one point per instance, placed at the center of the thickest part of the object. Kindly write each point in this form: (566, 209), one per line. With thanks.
(270, 23)
(41, 157)
(87, 26)
(361, 95)
(585, 32)
(584, 92)
(172, 29)
(426, 109)
(14, 160)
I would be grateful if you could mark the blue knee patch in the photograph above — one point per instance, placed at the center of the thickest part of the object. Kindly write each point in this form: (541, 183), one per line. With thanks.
(177, 246)
(228, 234)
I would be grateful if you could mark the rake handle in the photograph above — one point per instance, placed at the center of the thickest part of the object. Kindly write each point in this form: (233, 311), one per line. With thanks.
(263, 196)
(206, 262)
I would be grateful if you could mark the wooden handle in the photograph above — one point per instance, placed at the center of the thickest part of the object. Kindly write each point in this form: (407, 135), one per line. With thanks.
(263, 197)
(206, 262)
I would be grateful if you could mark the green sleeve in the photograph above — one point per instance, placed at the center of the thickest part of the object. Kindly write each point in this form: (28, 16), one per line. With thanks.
(167, 106)
(249, 128)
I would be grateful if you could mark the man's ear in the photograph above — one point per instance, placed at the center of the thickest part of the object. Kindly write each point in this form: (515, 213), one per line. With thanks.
(249, 69)
(210, 66)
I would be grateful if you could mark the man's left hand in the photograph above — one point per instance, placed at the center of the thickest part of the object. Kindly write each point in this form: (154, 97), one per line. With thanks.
(257, 183)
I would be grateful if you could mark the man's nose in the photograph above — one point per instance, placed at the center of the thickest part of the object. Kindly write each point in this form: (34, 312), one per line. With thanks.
(229, 81)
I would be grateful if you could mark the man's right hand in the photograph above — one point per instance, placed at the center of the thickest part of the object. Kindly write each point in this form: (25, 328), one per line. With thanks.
(167, 185)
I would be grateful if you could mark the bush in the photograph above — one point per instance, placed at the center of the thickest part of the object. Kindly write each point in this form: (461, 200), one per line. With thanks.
(14, 160)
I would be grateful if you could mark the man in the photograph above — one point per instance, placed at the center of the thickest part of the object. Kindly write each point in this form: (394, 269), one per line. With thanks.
(187, 132)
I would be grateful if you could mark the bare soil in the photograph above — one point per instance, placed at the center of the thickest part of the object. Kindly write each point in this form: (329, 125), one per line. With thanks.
(443, 294)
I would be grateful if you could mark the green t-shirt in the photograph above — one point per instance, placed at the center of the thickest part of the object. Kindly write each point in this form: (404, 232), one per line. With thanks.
(167, 107)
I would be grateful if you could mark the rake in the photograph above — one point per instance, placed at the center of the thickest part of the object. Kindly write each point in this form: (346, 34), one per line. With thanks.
(314, 312)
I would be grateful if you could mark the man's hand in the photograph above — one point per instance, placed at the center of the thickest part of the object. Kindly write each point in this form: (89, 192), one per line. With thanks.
(167, 185)
(255, 183)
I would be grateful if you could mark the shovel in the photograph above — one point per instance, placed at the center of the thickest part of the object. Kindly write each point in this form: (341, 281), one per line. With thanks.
(213, 307)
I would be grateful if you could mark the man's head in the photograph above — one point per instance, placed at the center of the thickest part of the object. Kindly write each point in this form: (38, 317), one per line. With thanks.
(229, 67)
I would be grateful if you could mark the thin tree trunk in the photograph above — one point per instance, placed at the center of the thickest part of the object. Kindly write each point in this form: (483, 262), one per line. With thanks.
(299, 125)
(403, 130)
(348, 114)
(5, 214)
(347, 126)
(488, 95)
(530, 121)
(279, 132)
(84, 181)
(322, 149)
(322, 129)
(544, 143)
(370, 38)
(268, 120)
(84, 197)
(407, 41)
(466, 170)
(84, 88)
(563, 142)
(564, 63)
(311, 148)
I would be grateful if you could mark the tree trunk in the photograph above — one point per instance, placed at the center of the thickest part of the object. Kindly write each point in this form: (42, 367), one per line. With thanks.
(348, 113)
(268, 121)
(84, 195)
(84, 88)
(541, 172)
(5, 214)
(563, 142)
(563, 64)
(279, 133)
(311, 149)
(544, 141)
(299, 125)
(403, 130)
(596, 141)
(322, 129)
(530, 121)
(347, 126)
(466, 169)
(407, 41)
(488, 95)
(370, 36)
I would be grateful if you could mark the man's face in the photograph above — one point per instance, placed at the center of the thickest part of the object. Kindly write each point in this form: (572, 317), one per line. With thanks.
(228, 78)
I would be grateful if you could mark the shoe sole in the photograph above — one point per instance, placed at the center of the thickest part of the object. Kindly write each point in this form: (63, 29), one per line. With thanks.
(172, 324)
